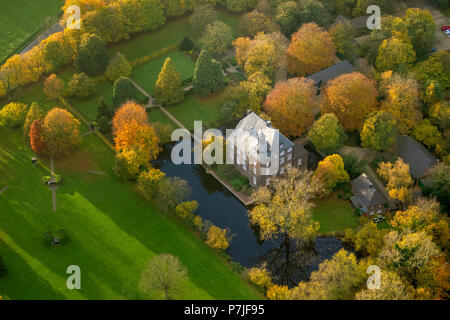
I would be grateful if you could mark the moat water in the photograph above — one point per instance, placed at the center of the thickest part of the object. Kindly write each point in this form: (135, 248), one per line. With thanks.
(219, 206)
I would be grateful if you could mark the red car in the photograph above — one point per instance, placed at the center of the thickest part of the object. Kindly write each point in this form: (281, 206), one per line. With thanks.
(445, 28)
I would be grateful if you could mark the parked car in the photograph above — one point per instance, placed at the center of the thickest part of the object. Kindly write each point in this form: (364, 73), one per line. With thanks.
(447, 32)
(445, 28)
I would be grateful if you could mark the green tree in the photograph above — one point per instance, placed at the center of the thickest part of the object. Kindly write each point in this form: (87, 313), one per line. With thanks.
(379, 132)
(217, 38)
(202, 16)
(123, 91)
(81, 86)
(327, 134)
(313, 11)
(208, 75)
(91, 57)
(252, 23)
(421, 30)
(168, 88)
(34, 113)
(164, 274)
(103, 109)
(118, 67)
(426, 133)
(395, 54)
(288, 17)
(343, 36)
(104, 124)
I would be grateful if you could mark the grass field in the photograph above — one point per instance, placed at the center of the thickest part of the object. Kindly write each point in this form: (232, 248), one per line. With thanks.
(335, 214)
(195, 108)
(113, 232)
(147, 74)
(20, 20)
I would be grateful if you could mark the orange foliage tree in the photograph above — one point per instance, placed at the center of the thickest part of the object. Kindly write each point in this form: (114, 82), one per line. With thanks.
(60, 132)
(289, 105)
(351, 97)
(311, 50)
(36, 141)
(135, 139)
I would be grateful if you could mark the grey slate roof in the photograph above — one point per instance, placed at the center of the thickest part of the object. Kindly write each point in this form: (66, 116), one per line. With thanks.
(416, 155)
(366, 192)
(322, 77)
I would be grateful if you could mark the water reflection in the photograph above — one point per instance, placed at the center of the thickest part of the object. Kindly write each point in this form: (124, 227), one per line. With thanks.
(219, 206)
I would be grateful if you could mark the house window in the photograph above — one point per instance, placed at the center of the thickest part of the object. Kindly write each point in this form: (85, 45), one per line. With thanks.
(289, 156)
(290, 149)
(282, 160)
(254, 180)
(244, 166)
(267, 181)
(299, 161)
(282, 170)
(254, 169)
(282, 153)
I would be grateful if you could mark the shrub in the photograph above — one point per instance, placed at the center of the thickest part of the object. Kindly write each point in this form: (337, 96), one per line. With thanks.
(104, 124)
(186, 45)
(81, 86)
(47, 238)
(62, 237)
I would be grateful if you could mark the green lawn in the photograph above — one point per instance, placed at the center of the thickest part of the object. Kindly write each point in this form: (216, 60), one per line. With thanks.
(195, 108)
(113, 232)
(147, 74)
(446, 11)
(20, 20)
(334, 214)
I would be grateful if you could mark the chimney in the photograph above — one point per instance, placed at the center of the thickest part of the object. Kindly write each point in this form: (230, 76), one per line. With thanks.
(249, 111)
(269, 123)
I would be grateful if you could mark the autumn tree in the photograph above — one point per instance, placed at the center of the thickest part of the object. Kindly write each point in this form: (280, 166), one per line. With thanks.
(327, 134)
(252, 23)
(36, 141)
(395, 54)
(421, 30)
(208, 75)
(34, 113)
(368, 240)
(91, 56)
(407, 253)
(285, 209)
(149, 182)
(216, 38)
(118, 67)
(290, 104)
(81, 86)
(351, 97)
(440, 114)
(123, 91)
(399, 181)
(265, 53)
(163, 274)
(402, 102)
(186, 210)
(336, 279)
(392, 287)
(311, 50)
(202, 16)
(260, 276)
(434, 278)
(54, 87)
(329, 173)
(13, 115)
(217, 238)
(343, 36)
(168, 88)
(427, 133)
(248, 95)
(135, 139)
(60, 132)
(379, 132)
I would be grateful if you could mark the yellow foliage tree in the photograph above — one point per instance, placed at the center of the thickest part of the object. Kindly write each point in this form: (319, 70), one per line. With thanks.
(399, 181)
(217, 238)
